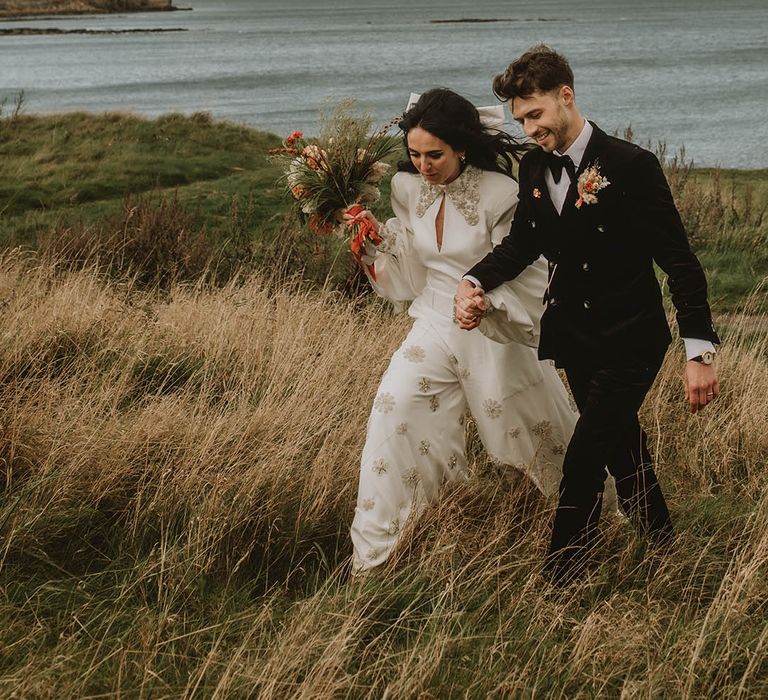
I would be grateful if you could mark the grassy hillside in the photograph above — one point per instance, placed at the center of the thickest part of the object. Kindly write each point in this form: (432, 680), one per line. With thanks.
(66, 169)
(179, 473)
(72, 172)
(179, 454)
(82, 177)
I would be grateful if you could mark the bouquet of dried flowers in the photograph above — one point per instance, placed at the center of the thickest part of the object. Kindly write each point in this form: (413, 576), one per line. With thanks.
(337, 172)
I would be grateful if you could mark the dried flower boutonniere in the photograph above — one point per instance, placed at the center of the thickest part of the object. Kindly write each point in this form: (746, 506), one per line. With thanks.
(537, 193)
(589, 184)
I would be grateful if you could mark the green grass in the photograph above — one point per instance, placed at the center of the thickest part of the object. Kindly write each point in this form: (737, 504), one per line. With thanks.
(69, 168)
(178, 473)
(726, 215)
(75, 170)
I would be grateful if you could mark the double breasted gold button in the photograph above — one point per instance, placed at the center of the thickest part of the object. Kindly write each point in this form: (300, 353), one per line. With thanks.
(601, 228)
(587, 305)
(585, 267)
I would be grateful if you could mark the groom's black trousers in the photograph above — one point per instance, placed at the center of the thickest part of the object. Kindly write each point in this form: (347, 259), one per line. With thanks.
(607, 434)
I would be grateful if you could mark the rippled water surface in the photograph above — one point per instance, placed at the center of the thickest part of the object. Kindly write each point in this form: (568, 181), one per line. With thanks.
(687, 72)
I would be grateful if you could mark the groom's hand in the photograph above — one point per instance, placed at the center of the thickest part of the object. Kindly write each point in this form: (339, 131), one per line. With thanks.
(469, 305)
(701, 385)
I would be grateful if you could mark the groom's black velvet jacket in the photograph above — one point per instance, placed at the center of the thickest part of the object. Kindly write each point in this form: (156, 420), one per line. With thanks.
(604, 302)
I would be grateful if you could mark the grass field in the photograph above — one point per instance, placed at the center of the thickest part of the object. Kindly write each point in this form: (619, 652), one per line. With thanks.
(179, 457)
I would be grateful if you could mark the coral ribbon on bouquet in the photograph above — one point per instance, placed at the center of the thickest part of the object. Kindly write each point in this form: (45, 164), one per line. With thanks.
(362, 229)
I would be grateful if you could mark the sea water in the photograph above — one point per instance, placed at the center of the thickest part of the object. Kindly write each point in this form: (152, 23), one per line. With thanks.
(690, 73)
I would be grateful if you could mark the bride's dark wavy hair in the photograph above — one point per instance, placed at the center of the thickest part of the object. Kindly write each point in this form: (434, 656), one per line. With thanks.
(455, 120)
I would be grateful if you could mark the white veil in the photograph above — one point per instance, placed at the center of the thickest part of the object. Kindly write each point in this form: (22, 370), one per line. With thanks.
(492, 118)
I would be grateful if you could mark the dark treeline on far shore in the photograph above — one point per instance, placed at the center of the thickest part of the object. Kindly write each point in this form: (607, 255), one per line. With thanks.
(42, 31)
(26, 8)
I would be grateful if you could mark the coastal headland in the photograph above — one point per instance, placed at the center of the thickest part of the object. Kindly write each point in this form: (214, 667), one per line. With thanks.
(66, 169)
(30, 8)
(183, 402)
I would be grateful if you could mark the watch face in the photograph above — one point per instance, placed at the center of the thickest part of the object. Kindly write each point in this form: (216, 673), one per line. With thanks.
(707, 358)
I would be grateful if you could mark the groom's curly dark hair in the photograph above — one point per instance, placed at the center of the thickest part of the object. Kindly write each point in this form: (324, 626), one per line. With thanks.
(539, 69)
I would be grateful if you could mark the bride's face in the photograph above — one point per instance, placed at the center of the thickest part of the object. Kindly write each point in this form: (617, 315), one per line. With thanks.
(436, 160)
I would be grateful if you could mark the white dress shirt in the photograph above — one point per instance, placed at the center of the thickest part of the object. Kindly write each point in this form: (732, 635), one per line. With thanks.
(558, 191)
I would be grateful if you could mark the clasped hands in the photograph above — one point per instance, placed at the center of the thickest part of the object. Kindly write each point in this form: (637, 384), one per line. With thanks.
(701, 385)
(469, 305)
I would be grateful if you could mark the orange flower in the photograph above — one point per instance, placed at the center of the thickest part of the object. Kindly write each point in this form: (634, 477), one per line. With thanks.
(590, 182)
(315, 157)
(293, 138)
(298, 191)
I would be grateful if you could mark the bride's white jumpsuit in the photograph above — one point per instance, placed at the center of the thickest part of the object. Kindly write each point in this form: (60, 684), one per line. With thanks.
(415, 439)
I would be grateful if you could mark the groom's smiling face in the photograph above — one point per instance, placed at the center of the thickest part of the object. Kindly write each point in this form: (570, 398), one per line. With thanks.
(546, 117)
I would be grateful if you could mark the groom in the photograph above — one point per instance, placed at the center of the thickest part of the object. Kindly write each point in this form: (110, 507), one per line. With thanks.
(600, 210)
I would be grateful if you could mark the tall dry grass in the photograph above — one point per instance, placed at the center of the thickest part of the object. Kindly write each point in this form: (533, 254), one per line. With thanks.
(179, 470)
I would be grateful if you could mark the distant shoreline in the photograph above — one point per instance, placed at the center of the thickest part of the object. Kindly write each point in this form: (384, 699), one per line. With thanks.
(34, 31)
(482, 20)
(26, 9)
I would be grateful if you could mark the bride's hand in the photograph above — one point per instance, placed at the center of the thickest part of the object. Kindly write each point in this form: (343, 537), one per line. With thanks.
(349, 220)
(469, 305)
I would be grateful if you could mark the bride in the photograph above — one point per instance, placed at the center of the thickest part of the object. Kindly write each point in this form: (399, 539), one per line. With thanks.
(453, 201)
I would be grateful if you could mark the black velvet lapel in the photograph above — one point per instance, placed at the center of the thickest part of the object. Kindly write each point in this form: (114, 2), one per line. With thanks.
(543, 203)
(594, 147)
(570, 211)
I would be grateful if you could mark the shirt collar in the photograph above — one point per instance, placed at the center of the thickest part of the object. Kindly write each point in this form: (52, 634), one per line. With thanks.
(577, 148)
(464, 192)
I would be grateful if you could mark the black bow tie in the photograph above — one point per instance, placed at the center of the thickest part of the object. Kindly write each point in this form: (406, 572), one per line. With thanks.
(557, 163)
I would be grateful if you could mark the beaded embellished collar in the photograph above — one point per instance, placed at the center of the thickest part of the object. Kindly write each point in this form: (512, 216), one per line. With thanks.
(464, 192)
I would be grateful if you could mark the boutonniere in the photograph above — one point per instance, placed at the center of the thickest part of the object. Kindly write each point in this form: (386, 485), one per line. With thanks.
(590, 182)
(536, 193)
